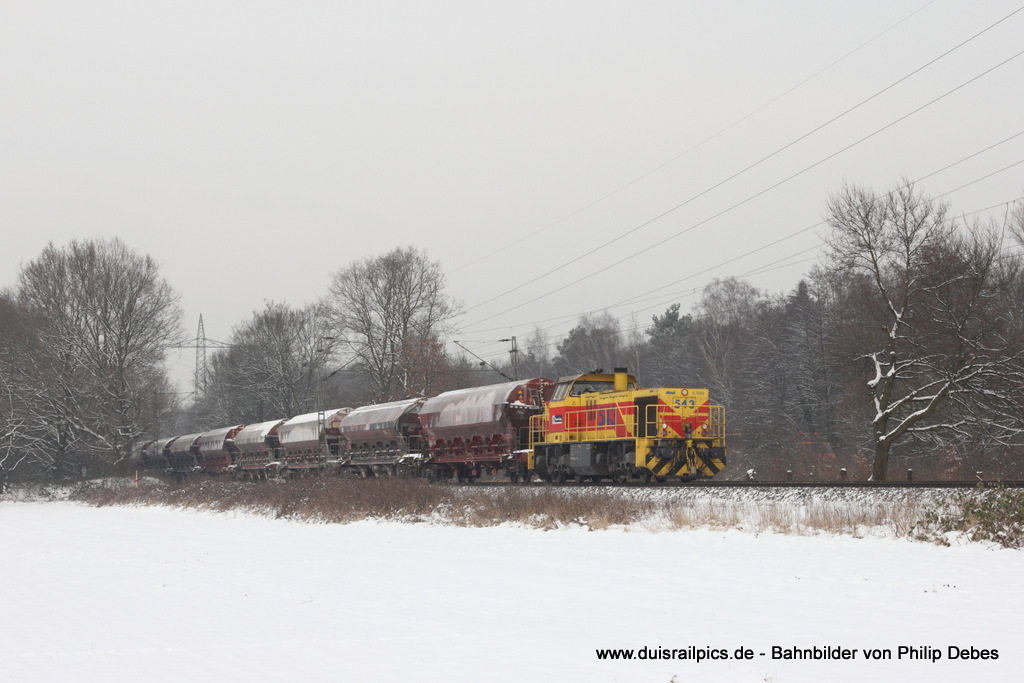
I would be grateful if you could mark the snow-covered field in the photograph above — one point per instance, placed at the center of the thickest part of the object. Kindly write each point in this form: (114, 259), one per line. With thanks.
(158, 594)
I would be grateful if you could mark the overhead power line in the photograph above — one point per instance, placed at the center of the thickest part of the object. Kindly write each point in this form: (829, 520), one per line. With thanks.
(773, 265)
(644, 224)
(693, 147)
(744, 201)
(821, 224)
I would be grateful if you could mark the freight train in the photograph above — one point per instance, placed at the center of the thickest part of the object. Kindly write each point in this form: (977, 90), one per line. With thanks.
(586, 427)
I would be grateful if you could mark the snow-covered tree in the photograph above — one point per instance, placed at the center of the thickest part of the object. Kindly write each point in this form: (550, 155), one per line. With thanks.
(271, 368)
(14, 418)
(103, 318)
(928, 317)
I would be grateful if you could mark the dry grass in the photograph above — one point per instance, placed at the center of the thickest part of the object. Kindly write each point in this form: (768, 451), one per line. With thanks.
(342, 500)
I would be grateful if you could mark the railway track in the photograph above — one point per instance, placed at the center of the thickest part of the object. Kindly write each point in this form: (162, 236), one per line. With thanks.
(717, 483)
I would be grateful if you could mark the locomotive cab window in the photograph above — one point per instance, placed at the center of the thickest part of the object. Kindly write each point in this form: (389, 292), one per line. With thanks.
(590, 387)
(586, 386)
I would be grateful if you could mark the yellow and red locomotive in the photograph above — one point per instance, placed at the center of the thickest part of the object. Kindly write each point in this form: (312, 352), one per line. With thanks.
(600, 425)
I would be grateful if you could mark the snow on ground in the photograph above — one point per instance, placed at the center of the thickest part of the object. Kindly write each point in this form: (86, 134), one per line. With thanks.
(157, 594)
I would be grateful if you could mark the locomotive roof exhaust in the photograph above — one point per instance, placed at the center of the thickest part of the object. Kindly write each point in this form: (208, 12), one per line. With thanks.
(621, 379)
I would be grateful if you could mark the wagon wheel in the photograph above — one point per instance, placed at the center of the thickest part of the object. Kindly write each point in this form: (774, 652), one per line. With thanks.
(558, 477)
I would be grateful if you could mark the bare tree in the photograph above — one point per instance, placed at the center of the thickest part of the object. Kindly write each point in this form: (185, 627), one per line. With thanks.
(105, 318)
(428, 369)
(272, 367)
(727, 309)
(11, 426)
(13, 416)
(389, 309)
(534, 355)
(1015, 220)
(929, 318)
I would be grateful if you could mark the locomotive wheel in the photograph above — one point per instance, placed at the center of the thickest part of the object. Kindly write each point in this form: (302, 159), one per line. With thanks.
(646, 475)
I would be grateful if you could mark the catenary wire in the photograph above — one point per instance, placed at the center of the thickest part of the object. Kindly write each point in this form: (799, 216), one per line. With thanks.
(744, 201)
(752, 166)
(695, 146)
(774, 265)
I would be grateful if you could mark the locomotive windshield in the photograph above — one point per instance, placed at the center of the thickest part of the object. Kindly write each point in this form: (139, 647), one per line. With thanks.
(584, 386)
(590, 387)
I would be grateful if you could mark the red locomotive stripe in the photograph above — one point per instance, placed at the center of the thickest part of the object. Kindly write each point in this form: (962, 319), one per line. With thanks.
(671, 418)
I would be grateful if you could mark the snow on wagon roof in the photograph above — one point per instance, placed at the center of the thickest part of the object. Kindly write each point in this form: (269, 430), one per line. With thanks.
(469, 406)
(183, 444)
(305, 427)
(378, 413)
(256, 433)
(214, 439)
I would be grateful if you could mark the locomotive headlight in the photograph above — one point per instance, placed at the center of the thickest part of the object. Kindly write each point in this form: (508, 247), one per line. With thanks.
(703, 429)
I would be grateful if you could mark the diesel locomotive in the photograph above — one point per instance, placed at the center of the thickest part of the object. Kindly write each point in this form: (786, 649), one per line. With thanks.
(599, 425)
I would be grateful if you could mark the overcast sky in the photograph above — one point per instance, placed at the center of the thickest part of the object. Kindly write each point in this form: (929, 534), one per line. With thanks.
(254, 148)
